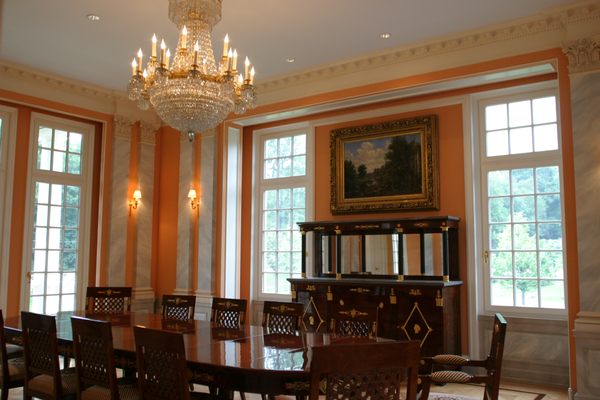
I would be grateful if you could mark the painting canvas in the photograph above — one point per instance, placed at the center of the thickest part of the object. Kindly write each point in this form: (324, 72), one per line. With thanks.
(385, 167)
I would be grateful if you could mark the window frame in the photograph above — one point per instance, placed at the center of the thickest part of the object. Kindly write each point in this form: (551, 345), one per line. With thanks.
(516, 161)
(260, 184)
(84, 180)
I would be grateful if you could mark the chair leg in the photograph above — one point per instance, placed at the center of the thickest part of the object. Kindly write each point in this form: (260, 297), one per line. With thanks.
(425, 387)
(5, 393)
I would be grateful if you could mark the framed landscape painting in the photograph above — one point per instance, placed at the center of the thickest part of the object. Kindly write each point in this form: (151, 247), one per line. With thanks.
(390, 166)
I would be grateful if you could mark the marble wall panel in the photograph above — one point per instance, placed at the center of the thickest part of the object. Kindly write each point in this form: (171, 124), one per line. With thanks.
(185, 220)
(143, 267)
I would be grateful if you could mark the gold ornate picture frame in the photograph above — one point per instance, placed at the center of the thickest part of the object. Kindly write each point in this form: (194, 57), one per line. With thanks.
(390, 166)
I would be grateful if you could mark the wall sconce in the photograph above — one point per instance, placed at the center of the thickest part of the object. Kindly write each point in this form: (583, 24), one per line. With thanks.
(193, 196)
(134, 202)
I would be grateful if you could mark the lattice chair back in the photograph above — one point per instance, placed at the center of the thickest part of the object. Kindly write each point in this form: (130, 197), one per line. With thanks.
(11, 374)
(371, 371)
(228, 313)
(161, 364)
(108, 300)
(41, 359)
(282, 317)
(353, 321)
(178, 307)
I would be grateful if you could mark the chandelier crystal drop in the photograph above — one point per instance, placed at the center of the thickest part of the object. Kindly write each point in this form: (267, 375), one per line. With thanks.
(192, 93)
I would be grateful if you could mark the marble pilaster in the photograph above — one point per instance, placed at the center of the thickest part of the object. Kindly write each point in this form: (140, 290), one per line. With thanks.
(119, 212)
(584, 68)
(143, 264)
(206, 217)
(185, 221)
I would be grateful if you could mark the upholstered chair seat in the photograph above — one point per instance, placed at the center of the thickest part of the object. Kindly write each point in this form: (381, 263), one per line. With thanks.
(44, 384)
(126, 392)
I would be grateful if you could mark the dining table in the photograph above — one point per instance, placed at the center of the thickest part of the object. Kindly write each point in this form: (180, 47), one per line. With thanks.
(248, 358)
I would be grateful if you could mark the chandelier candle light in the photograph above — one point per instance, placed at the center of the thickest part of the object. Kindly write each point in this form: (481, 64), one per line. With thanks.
(193, 93)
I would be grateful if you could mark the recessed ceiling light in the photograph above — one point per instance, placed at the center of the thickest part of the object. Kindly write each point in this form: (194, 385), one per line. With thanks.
(290, 60)
(385, 35)
(93, 17)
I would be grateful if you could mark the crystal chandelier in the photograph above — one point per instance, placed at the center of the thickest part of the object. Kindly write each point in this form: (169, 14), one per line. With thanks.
(192, 93)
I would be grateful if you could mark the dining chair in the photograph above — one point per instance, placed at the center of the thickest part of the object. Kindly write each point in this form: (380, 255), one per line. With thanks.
(230, 313)
(372, 370)
(282, 317)
(95, 362)
(12, 368)
(353, 320)
(161, 365)
(178, 307)
(43, 377)
(108, 299)
(449, 365)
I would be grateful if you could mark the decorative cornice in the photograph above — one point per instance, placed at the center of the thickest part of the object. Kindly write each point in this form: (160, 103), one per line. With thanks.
(57, 82)
(123, 127)
(584, 55)
(555, 20)
(148, 132)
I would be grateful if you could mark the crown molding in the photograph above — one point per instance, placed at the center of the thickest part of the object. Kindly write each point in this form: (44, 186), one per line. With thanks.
(555, 23)
(583, 55)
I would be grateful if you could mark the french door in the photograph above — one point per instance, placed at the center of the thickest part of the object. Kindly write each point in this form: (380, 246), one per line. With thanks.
(57, 230)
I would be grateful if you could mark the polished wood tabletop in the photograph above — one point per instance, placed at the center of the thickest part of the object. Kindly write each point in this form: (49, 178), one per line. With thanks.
(250, 358)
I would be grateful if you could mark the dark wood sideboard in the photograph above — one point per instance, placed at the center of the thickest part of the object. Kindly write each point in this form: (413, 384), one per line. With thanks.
(423, 306)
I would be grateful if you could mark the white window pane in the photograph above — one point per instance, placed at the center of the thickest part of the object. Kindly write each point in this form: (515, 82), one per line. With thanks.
(299, 166)
(45, 137)
(55, 216)
(52, 304)
(43, 161)
(36, 304)
(42, 191)
(39, 261)
(41, 215)
(299, 198)
(40, 238)
(75, 142)
(53, 261)
(269, 283)
(285, 167)
(270, 200)
(521, 141)
(299, 144)
(553, 294)
(72, 198)
(269, 241)
(68, 283)
(67, 302)
(271, 148)
(57, 195)
(496, 117)
(37, 283)
(502, 292)
(60, 140)
(496, 143)
(499, 183)
(545, 137)
(271, 169)
(74, 164)
(59, 161)
(270, 261)
(544, 110)
(54, 235)
(285, 198)
(53, 283)
(285, 147)
(519, 113)
(526, 293)
(283, 285)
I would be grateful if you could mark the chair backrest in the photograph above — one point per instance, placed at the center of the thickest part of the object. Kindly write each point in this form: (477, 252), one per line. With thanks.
(3, 353)
(375, 368)
(161, 364)
(282, 316)
(494, 359)
(109, 300)
(353, 320)
(94, 355)
(178, 307)
(41, 349)
(229, 313)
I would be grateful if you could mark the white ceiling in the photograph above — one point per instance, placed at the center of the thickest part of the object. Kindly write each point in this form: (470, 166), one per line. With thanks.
(55, 36)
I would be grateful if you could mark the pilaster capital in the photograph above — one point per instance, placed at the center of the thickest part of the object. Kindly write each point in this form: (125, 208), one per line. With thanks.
(148, 132)
(123, 127)
(583, 55)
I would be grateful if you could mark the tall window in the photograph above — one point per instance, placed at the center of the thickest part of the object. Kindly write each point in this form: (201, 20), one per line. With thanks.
(523, 206)
(284, 187)
(60, 181)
